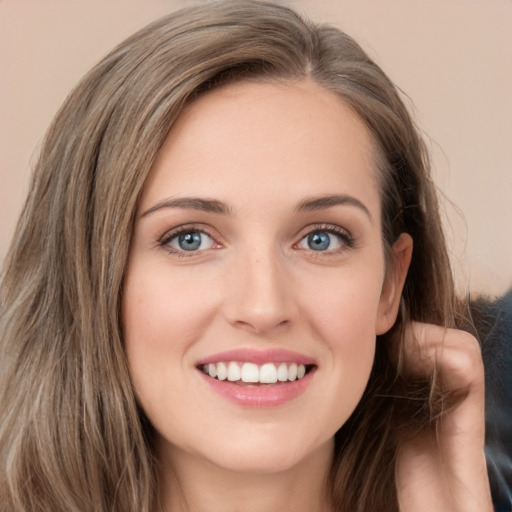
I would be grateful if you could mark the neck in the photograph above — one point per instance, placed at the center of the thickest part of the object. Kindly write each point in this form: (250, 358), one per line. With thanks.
(191, 484)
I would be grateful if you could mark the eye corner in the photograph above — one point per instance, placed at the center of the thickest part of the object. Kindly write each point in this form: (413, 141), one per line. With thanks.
(325, 239)
(189, 240)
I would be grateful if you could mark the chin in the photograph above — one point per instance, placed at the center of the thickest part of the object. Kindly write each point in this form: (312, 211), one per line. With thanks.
(267, 454)
(258, 462)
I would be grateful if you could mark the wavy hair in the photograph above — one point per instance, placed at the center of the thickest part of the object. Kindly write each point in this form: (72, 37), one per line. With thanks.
(72, 437)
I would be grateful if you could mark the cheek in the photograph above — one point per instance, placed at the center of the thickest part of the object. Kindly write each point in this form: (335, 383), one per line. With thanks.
(344, 317)
(163, 315)
(163, 308)
(344, 307)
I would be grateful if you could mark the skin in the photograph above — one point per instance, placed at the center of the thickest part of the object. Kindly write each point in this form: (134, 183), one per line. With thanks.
(261, 150)
(447, 471)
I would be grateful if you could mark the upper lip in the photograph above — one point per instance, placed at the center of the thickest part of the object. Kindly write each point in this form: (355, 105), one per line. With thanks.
(258, 356)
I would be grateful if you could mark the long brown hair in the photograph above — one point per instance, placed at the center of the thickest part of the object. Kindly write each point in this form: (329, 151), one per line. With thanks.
(71, 435)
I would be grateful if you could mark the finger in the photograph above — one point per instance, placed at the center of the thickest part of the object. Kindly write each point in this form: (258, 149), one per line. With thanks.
(453, 354)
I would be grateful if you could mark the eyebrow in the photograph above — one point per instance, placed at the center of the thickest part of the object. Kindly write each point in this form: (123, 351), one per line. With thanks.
(323, 202)
(216, 206)
(194, 203)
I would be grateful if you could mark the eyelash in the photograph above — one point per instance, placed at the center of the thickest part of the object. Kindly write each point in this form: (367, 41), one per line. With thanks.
(347, 240)
(168, 237)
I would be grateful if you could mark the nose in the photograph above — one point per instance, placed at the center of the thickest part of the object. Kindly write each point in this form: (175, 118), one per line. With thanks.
(260, 297)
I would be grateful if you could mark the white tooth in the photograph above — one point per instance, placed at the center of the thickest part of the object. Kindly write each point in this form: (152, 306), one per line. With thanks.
(250, 372)
(268, 374)
(233, 372)
(292, 372)
(212, 370)
(205, 369)
(301, 371)
(222, 371)
(282, 373)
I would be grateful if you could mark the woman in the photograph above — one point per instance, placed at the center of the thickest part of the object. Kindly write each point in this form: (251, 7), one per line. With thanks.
(212, 301)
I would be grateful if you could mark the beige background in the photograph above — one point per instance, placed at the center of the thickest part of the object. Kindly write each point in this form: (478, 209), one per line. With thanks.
(453, 58)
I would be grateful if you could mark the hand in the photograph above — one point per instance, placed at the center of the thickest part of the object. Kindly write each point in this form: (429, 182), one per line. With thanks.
(445, 470)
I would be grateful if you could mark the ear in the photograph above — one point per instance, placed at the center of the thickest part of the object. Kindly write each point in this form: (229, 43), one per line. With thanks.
(394, 284)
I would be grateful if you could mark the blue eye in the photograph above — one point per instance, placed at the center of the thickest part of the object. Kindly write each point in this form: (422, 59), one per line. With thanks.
(319, 241)
(190, 241)
(324, 240)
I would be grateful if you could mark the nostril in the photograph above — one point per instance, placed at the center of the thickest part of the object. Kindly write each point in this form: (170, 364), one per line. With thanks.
(261, 324)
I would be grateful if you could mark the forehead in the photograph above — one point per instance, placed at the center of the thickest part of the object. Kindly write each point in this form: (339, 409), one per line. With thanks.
(241, 137)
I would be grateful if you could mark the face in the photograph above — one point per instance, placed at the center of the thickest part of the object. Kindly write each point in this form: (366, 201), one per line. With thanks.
(256, 281)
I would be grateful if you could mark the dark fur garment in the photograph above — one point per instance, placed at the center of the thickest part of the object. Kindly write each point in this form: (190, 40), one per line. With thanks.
(493, 320)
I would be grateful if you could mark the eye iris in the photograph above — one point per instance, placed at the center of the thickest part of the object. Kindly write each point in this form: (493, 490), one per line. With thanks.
(319, 241)
(189, 241)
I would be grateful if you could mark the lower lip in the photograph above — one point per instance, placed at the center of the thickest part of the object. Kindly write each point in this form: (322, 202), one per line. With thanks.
(259, 396)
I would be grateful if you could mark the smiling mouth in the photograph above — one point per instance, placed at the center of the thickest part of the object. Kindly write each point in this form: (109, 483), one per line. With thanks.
(246, 373)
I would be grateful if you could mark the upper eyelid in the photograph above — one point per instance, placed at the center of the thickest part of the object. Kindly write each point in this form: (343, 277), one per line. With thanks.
(348, 240)
(323, 226)
(184, 228)
(164, 242)
(218, 239)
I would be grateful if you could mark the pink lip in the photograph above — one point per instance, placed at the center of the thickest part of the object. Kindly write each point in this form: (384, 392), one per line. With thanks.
(259, 396)
(258, 357)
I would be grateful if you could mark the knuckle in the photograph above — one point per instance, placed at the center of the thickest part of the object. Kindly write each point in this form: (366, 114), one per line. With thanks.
(465, 355)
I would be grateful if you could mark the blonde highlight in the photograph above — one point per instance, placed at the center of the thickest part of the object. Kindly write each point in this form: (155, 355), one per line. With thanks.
(72, 436)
